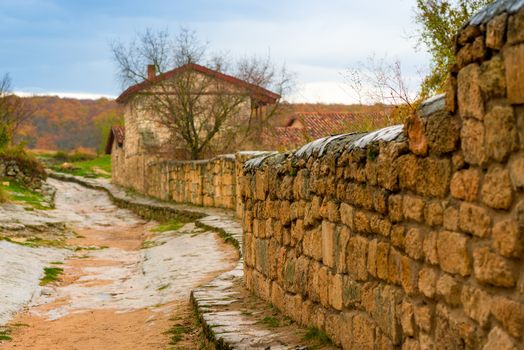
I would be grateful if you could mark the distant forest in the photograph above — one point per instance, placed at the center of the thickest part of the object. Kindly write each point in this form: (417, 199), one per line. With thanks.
(67, 124)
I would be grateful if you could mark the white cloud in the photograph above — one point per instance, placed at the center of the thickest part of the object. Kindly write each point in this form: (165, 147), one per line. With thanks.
(77, 95)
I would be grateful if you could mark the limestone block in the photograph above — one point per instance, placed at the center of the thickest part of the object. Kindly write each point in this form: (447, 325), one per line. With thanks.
(342, 249)
(346, 215)
(465, 184)
(442, 132)
(407, 318)
(285, 213)
(449, 288)
(413, 243)
(476, 304)
(301, 188)
(470, 101)
(277, 296)
(434, 176)
(382, 260)
(517, 170)
(451, 219)
(472, 137)
(409, 270)
(328, 243)
(413, 208)
(361, 222)
(336, 291)
(499, 340)
(407, 167)
(474, 219)
(492, 269)
(495, 31)
(501, 132)
(394, 266)
(379, 225)
(262, 256)
(513, 58)
(471, 52)
(508, 240)
(451, 94)
(496, 189)
(357, 258)
(363, 332)
(323, 285)
(397, 235)
(430, 248)
(423, 317)
(351, 292)
(312, 244)
(261, 185)
(372, 257)
(516, 28)
(510, 313)
(427, 281)
(492, 78)
(468, 34)
(395, 208)
(453, 254)
(416, 132)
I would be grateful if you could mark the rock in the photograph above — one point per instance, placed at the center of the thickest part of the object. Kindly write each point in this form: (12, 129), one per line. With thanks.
(453, 254)
(496, 189)
(492, 269)
(469, 97)
(501, 132)
(473, 136)
(513, 58)
(465, 184)
(508, 240)
(496, 29)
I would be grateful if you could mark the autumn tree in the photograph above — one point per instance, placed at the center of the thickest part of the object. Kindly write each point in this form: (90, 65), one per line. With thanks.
(438, 22)
(13, 112)
(204, 114)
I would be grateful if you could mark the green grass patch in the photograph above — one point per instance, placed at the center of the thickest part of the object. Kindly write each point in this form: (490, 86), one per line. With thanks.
(19, 193)
(177, 333)
(317, 335)
(171, 225)
(51, 274)
(97, 167)
(56, 263)
(35, 242)
(5, 334)
(270, 321)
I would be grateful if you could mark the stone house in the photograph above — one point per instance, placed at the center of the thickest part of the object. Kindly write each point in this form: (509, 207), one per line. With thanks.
(144, 139)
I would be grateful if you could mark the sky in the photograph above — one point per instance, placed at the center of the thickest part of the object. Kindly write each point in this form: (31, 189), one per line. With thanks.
(63, 46)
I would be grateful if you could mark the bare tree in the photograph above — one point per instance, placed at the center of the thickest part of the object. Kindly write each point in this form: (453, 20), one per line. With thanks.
(13, 112)
(204, 113)
(381, 81)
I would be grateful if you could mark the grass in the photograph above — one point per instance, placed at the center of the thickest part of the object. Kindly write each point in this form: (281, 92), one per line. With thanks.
(5, 334)
(317, 335)
(97, 167)
(36, 242)
(51, 274)
(171, 225)
(19, 193)
(270, 321)
(163, 287)
(177, 333)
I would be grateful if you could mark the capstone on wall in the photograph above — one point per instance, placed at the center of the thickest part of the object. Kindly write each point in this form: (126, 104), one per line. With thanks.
(410, 237)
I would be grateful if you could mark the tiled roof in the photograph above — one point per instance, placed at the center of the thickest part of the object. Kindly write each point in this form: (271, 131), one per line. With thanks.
(256, 92)
(117, 134)
(304, 127)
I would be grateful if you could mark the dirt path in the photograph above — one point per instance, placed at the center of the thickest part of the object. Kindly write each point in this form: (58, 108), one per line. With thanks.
(114, 294)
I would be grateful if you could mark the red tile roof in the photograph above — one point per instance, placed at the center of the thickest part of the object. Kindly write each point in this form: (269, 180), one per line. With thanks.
(117, 133)
(303, 127)
(256, 92)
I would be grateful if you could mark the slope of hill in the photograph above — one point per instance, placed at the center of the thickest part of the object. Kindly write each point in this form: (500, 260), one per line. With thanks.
(65, 123)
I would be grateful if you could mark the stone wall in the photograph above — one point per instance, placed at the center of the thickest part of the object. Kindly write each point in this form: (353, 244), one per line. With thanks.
(410, 237)
(23, 171)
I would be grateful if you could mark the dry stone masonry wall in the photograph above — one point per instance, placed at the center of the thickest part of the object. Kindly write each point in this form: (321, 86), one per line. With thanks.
(411, 237)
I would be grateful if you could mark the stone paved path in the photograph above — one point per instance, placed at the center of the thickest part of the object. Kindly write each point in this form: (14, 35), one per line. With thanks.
(230, 316)
(113, 292)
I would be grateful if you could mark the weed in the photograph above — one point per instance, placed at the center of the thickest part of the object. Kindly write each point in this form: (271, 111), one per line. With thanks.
(51, 274)
(316, 334)
(171, 225)
(19, 193)
(91, 248)
(270, 321)
(56, 263)
(5, 334)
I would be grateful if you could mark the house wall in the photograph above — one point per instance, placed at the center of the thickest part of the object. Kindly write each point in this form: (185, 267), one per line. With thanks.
(410, 237)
